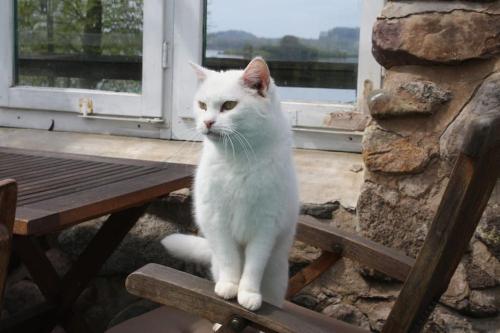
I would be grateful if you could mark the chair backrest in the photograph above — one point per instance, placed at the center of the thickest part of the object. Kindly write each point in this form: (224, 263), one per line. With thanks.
(470, 186)
(8, 200)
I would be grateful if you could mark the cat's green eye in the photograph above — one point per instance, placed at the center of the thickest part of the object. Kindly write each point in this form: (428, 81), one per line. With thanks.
(202, 105)
(228, 105)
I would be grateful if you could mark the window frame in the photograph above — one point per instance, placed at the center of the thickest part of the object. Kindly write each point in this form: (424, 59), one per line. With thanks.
(309, 128)
(148, 104)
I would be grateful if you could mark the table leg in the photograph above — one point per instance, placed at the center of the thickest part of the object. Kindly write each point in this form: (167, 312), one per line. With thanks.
(63, 292)
(95, 255)
(40, 268)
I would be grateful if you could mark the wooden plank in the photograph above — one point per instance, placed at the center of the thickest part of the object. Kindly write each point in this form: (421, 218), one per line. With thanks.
(12, 164)
(81, 206)
(92, 158)
(66, 175)
(109, 178)
(195, 295)
(310, 273)
(25, 214)
(4, 157)
(72, 177)
(33, 165)
(63, 170)
(34, 173)
(386, 260)
(471, 184)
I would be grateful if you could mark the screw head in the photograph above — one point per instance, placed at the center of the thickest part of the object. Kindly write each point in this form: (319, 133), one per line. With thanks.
(238, 324)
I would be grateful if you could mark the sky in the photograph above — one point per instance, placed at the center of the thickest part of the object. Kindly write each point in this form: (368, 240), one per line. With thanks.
(276, 18)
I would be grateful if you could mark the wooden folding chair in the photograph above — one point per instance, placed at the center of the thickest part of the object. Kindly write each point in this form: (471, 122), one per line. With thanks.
(8, 199)
(471, 183)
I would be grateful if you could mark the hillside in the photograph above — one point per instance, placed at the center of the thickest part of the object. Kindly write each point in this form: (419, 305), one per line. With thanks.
(337, 42)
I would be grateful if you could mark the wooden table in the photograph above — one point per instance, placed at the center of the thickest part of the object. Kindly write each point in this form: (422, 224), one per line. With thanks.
(59, 190)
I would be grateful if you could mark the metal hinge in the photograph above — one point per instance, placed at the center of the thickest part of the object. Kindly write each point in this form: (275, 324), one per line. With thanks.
(164, 55)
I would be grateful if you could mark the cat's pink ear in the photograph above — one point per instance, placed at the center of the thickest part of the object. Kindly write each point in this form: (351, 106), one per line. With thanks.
(201, 72)
(257, 76)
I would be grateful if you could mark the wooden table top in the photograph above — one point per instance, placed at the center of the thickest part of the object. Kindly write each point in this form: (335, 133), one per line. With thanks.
(57, 190)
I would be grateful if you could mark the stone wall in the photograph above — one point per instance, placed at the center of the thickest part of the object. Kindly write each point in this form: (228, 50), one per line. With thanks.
(442, 59)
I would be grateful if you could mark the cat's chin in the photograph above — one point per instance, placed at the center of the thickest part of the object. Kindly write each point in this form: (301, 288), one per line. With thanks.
(214, 136)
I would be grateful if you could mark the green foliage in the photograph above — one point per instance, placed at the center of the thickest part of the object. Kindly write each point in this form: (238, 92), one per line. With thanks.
(121, 32)
(83, 28)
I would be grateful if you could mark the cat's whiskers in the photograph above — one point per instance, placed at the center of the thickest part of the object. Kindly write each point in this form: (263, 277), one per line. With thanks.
(242, 140)
(245, 150)
(226, 131)
(242, 137)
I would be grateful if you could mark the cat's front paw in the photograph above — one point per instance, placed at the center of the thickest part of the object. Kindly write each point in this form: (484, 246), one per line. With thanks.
(250, 300)
(226, 290)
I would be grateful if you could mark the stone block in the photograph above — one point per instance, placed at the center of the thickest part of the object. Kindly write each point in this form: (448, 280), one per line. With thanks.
(434, 37)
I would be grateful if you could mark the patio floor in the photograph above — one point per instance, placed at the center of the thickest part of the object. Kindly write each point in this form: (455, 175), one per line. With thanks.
(323, 176)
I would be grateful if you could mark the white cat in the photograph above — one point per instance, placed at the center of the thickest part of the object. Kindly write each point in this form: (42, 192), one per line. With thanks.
(245, 192)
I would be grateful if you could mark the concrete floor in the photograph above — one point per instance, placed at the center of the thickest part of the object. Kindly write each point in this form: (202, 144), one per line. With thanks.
(323, 176)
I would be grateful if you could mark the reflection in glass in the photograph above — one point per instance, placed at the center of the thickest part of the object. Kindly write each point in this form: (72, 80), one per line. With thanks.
(91, 44)
(311, 46)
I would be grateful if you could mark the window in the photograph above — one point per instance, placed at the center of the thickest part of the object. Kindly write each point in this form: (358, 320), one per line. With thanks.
(94, 57)
(311, 49)
(319, 54)
(122, 66)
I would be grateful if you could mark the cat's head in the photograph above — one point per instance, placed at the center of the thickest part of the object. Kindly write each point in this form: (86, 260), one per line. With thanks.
(233, 101)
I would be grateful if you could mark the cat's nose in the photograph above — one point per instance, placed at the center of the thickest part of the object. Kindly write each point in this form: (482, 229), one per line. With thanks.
(209, 123)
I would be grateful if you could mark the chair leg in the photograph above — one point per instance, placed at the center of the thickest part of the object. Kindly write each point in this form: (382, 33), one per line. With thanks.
(463, 203)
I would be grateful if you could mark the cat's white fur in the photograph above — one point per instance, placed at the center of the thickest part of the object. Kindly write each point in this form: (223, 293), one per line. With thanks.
(245, 192)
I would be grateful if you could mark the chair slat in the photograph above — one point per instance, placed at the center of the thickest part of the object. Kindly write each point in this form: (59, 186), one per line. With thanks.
(195, 295)
(386, 260)
(311, 272)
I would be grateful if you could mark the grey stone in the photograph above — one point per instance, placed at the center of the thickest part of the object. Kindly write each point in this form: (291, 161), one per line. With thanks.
(485, 303)
(377, 311)
(488, 230)
(388, 152)
(104, 298)
(59, 260)
(356, 168)
(347, 313)
(177, 207)
(430, 38)
(448, 321)
(306, 300)
(483, 268)
(140, 247)
(457, 294)
(401, 9)
(414, 98)
(21, 296)
(404, 227)
(320, 211)
(484, 102)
